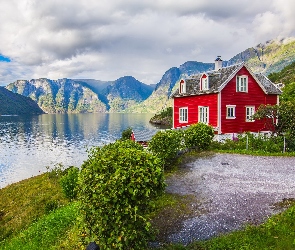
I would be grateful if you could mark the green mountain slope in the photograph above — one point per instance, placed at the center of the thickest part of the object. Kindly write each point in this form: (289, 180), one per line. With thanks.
(15, 104)
(268, 57)
(60, 96)
(285, 76)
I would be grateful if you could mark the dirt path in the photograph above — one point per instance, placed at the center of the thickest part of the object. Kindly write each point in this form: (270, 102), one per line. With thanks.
(234, 190)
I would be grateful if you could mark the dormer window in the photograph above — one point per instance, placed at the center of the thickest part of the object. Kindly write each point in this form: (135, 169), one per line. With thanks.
(182, 87)
(204, 84)
(242, 83)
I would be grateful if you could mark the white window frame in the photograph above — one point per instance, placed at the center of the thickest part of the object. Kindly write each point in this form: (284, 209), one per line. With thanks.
(204, 83)
(250, 111)
(183, 115)
(242, 83)
(203, 114)
(230, 111)
(182, 87)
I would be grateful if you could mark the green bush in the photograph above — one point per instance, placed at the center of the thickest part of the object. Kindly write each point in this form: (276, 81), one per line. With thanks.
(69, 182)
(117, 187)
(126, 134)
(256, 142)
(198, 136)
(166, 145)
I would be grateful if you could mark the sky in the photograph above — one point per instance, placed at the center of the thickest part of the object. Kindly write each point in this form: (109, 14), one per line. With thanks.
(108, 39)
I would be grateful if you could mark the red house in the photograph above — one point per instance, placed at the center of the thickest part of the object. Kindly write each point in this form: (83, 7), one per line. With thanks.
(225, 98)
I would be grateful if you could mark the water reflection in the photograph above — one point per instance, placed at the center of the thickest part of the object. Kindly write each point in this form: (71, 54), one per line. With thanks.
(29, 144)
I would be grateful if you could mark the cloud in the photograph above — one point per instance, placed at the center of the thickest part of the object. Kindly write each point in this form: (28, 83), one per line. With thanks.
(109, 39)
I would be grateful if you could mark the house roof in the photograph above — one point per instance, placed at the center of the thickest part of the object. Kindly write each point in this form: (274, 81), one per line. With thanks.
(144, 135)
(218, 80)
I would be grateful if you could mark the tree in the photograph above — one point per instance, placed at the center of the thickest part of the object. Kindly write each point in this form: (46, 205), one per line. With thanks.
(278, 118)
(117, 187)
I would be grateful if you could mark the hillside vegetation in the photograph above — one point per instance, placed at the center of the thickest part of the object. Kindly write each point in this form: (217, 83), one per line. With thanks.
(15, 104)
(285, 76)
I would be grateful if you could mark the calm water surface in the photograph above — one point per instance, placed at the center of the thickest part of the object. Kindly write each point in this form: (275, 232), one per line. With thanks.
(29, 144)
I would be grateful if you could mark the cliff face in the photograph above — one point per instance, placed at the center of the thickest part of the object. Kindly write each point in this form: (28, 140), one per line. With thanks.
(60, 96)
(15, 104)
(268, 57)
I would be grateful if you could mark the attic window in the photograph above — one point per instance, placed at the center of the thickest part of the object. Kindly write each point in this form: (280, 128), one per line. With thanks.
(182, 87)
(242, 83)
(204, 83)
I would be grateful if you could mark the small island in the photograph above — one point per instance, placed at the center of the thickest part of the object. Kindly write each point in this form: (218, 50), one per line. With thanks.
(163, 118)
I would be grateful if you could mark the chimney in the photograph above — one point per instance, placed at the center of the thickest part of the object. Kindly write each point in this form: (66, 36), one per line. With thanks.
(218, 63)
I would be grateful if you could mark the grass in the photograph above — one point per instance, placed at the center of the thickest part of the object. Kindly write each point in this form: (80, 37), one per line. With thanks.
(47, 232)
(34, 214)
(25, 202)
(254, 152)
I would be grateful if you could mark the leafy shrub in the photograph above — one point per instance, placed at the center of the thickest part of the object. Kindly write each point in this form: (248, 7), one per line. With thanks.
(69, 182)
(126, 134)
(166, 145)
(117, 187)
(198, 136)
(56, 172)
(254, 142)
(51, 206)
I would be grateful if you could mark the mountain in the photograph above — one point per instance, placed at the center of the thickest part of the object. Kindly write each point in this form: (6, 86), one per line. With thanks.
(59, 96)
(271, 56)
(159, 99)
(80, 96)
(129, 95)
(15, 104)
(285, 76)
(125, 92)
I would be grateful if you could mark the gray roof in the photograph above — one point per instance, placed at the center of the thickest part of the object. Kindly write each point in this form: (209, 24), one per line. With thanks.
(144, 135)
(218, 80)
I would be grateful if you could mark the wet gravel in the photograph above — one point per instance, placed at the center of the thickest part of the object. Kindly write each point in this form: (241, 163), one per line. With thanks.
(234, 190)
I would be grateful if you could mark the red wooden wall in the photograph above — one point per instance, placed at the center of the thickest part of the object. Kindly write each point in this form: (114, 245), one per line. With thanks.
(229, 96)
(192, 103)
(254, 97)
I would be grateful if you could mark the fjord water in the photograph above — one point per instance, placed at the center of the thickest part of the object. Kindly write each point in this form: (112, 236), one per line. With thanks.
(29, 144)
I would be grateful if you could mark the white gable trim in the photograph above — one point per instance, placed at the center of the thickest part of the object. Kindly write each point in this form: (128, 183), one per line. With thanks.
(222, 86)
(234, 74)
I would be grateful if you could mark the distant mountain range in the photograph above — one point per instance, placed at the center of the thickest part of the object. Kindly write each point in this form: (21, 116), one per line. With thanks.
(127, 94)
(82, 96)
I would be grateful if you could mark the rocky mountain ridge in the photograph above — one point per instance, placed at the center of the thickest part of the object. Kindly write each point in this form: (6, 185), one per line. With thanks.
(126, 94)
(81, 96)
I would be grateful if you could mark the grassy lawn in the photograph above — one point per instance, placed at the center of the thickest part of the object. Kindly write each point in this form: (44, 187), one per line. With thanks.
(34, 214)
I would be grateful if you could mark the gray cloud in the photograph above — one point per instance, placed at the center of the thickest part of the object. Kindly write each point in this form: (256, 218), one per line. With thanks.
(107, 39)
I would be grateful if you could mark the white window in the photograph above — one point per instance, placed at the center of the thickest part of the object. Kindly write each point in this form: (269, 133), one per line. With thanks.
(183, 112)
(242, 83)
(250, 110)
(230, 111)
(204, 84)
(204, 115)
(182, 88)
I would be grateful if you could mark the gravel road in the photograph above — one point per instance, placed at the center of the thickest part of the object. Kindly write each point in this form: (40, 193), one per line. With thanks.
(234, 189)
